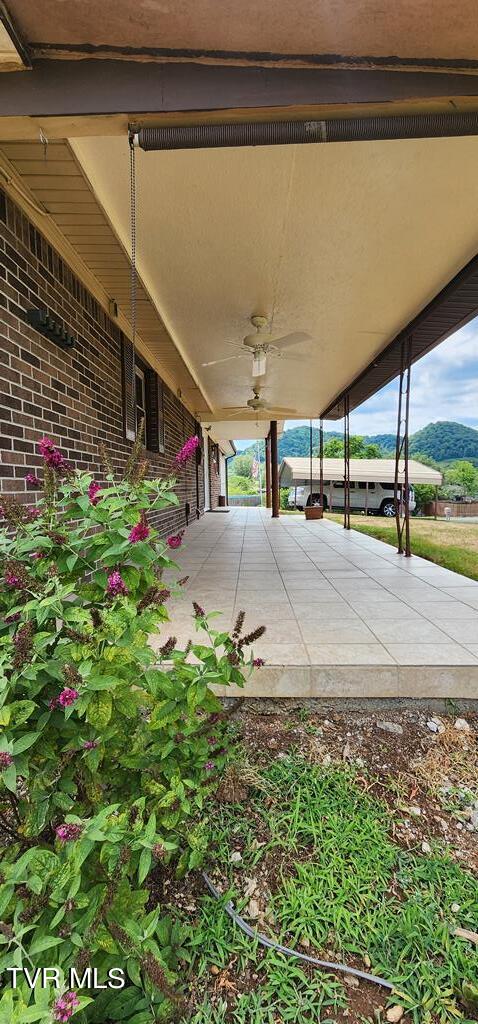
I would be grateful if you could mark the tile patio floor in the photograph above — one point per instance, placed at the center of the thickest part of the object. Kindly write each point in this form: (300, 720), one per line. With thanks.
(345, 615)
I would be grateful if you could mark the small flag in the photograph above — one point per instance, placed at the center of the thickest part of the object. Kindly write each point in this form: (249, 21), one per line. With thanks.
(255, 469)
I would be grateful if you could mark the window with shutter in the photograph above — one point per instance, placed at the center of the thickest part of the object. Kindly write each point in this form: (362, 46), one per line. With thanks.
(154, 411)
(142, 400)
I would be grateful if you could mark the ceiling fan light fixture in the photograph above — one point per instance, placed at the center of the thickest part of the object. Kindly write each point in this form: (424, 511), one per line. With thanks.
(259, 363)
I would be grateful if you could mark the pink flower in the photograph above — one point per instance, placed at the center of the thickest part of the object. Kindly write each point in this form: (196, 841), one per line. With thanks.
(209, 766)
(68, 833)
(65, 1006)
(258, 662)
(187, 450)
(33, 512)
(176, 540)
(93, 492)
(116, 584)
(90, 744)
(50, 453)
(32, 480)
(67, 697)
(139, 532)
(12, 580)
(6, 760)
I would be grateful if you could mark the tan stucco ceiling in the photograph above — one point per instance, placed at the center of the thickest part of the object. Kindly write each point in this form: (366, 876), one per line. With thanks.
(240, 430)
(426, 29)
(347, 242)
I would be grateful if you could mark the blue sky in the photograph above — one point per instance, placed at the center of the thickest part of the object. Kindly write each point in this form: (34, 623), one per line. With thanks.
(444, 387)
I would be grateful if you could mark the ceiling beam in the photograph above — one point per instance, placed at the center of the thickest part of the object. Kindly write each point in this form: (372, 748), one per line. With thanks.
(104, 88)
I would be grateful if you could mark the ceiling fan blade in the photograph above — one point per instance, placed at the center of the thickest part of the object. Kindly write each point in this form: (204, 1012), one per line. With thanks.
(225, 359)
(279, 409)
(296, 357)
(290, 339)
(234, 408)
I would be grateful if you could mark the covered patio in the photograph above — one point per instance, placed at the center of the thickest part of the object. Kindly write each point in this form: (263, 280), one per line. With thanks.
(345, 615)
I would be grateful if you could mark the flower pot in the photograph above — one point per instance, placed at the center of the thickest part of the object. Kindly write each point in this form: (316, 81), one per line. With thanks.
(314, 512)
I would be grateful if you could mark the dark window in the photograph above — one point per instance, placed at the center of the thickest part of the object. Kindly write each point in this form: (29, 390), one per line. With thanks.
(142, 400)
(387, 487)
(363, 486)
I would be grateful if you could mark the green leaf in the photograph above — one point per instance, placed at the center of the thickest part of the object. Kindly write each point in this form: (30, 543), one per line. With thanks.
(99, 710)
(9, 777)
(44, 942)
(144, 865)
(25, 742)
(21, 710)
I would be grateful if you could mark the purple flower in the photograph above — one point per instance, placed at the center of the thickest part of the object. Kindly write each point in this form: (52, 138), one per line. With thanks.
(67, 697)
(65, 1006)
(68, 833)
(33, 512)
(176, 540)
(90, 744)
(53, 703)
(33, 480)
(209, 766)
(199, 612)
(139, 532)
(93, 490)
(187, 450)
(50, 453)
(6, 760)
(116, 584)
(258, 662)
(12, 580)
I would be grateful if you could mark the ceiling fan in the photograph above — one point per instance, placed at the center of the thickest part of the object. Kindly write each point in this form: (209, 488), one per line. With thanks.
(257, 404)
(263, 344)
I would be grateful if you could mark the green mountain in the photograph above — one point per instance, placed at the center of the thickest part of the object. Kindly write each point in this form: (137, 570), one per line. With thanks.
(442, 441)
(445, 440)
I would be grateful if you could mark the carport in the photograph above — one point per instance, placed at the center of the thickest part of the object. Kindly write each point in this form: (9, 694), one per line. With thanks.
(295, 472)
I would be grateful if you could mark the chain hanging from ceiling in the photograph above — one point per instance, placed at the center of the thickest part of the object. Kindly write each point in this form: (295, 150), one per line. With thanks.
(134, 272)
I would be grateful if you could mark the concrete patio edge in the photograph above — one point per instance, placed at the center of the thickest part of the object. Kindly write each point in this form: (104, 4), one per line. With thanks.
(361, 681)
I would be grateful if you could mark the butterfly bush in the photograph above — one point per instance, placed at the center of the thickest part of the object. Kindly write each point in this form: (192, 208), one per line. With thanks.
(109, 748)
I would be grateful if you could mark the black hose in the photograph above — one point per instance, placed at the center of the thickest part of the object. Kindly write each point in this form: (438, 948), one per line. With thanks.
(264, 941)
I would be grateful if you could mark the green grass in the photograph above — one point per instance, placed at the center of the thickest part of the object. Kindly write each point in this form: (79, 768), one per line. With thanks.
(450, 556)
(336, 885)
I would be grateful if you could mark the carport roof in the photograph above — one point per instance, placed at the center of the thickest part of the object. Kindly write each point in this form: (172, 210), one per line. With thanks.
(293, 471)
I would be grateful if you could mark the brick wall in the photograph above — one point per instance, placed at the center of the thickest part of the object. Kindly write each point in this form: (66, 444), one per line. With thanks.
(73, 396)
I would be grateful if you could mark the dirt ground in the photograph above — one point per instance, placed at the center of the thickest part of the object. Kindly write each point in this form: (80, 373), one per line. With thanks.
(430, 773)
(424, 766)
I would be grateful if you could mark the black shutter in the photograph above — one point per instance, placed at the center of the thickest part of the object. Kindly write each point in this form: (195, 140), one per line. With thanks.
(155, 413)
(129, 390)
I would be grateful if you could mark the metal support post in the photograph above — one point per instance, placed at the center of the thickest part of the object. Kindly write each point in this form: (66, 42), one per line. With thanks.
(346, 463)
(321, 462)
(402, 488)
